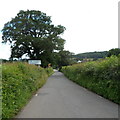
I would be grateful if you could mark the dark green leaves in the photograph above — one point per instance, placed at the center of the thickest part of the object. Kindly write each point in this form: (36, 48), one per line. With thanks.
(32, 33)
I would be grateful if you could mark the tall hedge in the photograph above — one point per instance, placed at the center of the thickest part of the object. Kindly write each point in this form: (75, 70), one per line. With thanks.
(19, 82)
(102, 76)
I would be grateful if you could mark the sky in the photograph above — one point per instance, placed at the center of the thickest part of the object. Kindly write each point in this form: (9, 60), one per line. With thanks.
(91, 25)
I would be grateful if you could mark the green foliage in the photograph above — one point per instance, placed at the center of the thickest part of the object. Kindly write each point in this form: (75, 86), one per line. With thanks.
(115, 51)
(19, 82)
(49, 71)
(63, 58)
(94, 55)
(32, 33)
(101, 76)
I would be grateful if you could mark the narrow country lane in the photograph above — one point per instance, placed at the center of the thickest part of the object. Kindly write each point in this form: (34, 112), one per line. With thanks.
(61, 98)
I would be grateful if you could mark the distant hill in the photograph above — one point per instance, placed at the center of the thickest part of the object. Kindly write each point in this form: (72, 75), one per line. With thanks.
(94, 55)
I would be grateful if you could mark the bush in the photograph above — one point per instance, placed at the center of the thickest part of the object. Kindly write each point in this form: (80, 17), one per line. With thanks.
(19, 82)
(101, 76)
(49, 71)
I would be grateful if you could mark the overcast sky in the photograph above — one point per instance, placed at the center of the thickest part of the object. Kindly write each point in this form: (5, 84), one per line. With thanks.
(91, 25)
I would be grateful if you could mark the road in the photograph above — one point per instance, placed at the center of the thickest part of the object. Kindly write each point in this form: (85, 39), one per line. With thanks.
(61, 98)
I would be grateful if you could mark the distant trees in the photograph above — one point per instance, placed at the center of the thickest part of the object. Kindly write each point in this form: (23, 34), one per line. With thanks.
(32, 33)
(65, 58)
(97, 55)
(94, 55)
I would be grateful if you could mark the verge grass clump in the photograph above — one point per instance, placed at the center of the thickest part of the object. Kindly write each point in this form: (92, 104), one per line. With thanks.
(19, 82)
(101, 76)
(49, 71)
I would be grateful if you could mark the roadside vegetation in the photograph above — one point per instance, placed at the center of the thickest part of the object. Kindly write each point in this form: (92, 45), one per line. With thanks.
(19, 82)
(32, 34)
(101, 76)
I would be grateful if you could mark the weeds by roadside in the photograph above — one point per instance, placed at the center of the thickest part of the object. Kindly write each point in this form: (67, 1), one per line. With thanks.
(19, 82)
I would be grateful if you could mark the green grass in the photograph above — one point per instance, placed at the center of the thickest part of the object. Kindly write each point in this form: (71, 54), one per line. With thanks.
(19, 82)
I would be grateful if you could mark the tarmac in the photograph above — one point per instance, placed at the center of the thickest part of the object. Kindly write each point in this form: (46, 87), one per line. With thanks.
(62, 98)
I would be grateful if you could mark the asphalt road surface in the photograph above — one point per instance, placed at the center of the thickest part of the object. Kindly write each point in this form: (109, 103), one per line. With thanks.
(61, 98)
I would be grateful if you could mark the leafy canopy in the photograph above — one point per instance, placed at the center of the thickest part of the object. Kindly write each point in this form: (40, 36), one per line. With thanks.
(32, 33)
(114, 51)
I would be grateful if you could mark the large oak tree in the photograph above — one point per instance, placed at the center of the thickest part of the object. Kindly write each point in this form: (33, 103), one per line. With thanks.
(32, 33)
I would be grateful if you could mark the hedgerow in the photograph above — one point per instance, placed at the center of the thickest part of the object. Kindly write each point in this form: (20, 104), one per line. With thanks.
(101, 76)
(19, 82)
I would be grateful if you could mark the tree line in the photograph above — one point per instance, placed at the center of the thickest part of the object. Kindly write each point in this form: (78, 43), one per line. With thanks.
(94, 55)
(97, 55)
